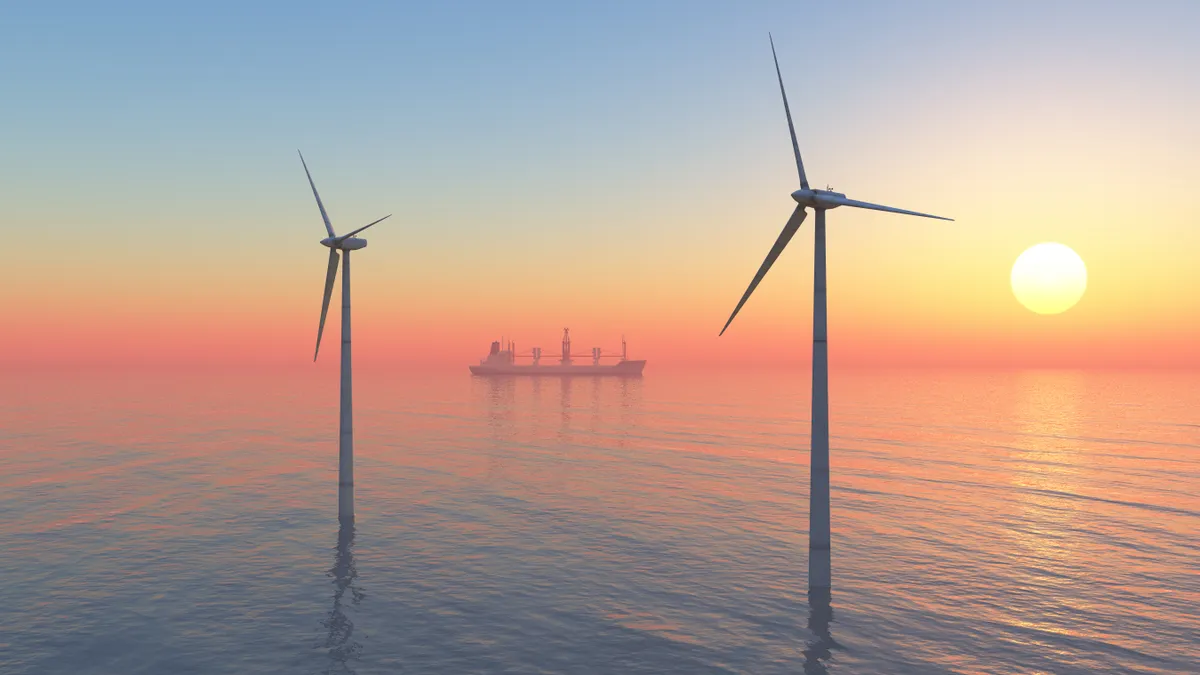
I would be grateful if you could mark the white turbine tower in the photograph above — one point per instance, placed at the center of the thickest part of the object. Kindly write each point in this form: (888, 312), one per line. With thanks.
(820, 201)
(344, 243)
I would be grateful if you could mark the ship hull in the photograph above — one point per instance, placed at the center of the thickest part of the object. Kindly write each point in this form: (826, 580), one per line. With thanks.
(623, 369)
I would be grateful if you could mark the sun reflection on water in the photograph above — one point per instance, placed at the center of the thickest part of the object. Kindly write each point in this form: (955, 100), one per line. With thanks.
(1045, 463)
(1046, 472)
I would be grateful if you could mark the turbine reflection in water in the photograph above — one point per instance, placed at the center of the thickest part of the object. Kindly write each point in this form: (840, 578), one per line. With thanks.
(820, 615)
(343, 648)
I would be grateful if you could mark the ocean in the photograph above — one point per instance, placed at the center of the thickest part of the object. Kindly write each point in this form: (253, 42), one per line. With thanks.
(983, 522)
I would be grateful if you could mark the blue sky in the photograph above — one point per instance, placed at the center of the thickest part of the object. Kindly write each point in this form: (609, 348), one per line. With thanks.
(516, 96)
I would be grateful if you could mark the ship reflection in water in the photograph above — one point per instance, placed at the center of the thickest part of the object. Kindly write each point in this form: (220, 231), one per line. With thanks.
(343, 648)
(502, 360)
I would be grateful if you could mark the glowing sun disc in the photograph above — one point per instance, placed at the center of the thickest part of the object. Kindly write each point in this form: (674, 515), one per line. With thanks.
(1049, 278)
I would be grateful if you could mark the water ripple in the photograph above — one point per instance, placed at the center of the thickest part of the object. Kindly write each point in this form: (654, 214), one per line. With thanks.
(589, 525)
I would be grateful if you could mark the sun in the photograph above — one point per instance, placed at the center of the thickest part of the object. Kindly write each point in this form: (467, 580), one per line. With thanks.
(1049, 278)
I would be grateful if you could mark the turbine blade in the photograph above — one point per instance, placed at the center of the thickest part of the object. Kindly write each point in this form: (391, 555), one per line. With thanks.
(351, 234)
(788, 111)
(785, 236)
(329, 278)
(879, 207)
(324, 216)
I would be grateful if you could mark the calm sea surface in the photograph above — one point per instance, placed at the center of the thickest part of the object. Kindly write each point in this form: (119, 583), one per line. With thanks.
(983, 522)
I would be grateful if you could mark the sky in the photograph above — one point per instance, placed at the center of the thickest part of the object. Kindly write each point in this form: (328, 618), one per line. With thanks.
(619, 168)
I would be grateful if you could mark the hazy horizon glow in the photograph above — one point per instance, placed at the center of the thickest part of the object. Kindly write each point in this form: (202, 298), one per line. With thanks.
(618, 170)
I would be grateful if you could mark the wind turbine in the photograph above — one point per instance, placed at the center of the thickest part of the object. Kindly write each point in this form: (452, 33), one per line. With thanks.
(819, 201)
(344, 243)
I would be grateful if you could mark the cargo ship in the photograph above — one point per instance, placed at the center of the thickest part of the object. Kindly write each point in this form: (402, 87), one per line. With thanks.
(503, 361)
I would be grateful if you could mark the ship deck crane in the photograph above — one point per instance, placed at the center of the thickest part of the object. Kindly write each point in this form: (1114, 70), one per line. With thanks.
(566, 356)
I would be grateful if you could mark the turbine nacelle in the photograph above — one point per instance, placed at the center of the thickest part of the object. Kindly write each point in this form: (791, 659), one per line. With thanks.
(346, 244)
(819, 199)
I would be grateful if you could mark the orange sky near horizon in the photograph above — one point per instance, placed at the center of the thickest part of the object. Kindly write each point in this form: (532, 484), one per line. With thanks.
(946, 308)
(902, 291)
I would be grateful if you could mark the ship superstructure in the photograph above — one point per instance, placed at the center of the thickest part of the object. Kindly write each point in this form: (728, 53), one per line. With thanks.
(503, 360)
